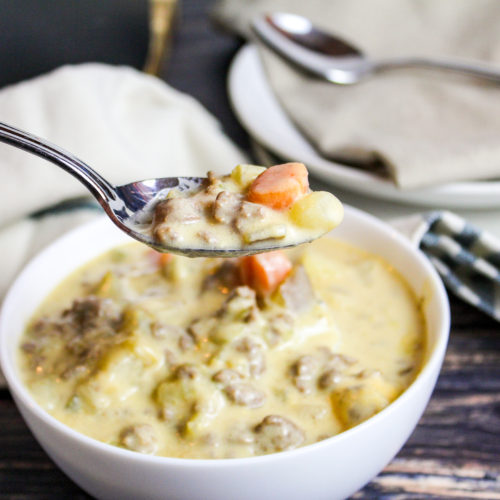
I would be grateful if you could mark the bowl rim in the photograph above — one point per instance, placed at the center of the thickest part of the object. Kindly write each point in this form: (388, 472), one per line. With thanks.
(431, 364)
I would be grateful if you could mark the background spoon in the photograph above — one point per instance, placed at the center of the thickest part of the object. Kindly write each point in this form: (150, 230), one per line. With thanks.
(296, 39)
(129, 205)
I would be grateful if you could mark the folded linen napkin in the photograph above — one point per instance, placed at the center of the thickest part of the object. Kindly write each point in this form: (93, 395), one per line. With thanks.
(426, 127)
(125, 124)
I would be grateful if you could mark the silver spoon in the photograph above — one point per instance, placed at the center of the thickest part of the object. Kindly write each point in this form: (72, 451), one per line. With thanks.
(296, 39)
(128, 205)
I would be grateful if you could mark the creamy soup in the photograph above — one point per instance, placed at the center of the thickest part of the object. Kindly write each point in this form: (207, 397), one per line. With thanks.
(210, 358)
(251, 208)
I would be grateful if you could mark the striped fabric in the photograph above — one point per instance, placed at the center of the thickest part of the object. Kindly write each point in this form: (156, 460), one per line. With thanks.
(467, 259)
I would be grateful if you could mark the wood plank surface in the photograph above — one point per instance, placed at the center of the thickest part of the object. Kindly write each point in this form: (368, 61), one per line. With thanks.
(455, 450)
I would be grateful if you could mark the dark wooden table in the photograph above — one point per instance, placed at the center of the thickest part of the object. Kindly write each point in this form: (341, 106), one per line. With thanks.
(455, 450)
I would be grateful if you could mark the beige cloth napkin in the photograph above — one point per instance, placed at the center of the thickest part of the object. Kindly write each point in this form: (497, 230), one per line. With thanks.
(426, 126)
(125, 124)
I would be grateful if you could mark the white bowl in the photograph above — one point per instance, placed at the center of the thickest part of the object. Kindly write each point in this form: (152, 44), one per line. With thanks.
(333, 468)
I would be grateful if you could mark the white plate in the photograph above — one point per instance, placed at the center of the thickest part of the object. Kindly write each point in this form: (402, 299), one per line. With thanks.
(260, 113)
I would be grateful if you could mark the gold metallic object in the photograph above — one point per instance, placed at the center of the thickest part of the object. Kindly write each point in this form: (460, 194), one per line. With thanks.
(162, 16)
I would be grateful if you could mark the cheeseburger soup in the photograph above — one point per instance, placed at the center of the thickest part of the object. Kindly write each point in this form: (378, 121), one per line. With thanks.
(252, 208)
(218, 358)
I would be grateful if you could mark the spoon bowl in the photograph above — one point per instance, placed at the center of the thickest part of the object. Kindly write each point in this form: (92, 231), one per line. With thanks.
(331, 58)
(129, 206)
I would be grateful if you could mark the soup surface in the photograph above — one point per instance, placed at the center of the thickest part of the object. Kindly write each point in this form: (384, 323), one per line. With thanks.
(218, 358)
(252, 208)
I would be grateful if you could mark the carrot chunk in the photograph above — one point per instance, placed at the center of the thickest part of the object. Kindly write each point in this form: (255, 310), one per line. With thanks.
(160, 259)
(165, 258)
(265, 271)
(279, 186)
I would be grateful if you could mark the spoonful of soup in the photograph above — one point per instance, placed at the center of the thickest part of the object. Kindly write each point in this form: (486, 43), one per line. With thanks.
(250, 210)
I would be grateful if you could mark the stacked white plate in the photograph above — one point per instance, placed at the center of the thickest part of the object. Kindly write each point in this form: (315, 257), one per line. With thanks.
(260, 113)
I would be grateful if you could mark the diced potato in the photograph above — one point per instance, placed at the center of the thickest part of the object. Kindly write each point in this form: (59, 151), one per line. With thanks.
(177, 270)
(92, 395)
(281, 329)
(137, 326)
(321, 270)
(238, 305)
(189, 404)
(176, 398)
(147, 354)
(359, 402)
(109, 287)
(136, 321)
(319, 210)
(249, 362)
(207, 407)
(228, 331)
(184, 272)
(115, 381)
(46, 392)
(273, 231)
(201, 329)
(238, 317)
(244, 175)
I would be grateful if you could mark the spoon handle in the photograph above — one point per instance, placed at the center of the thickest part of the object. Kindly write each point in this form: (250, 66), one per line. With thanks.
(457, 66)
(100, 188)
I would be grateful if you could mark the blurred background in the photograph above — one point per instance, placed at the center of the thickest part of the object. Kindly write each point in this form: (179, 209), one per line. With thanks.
(151, 35)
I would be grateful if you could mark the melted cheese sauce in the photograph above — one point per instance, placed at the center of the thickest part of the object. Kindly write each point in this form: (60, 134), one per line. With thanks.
(218, 216)
(176, 360)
